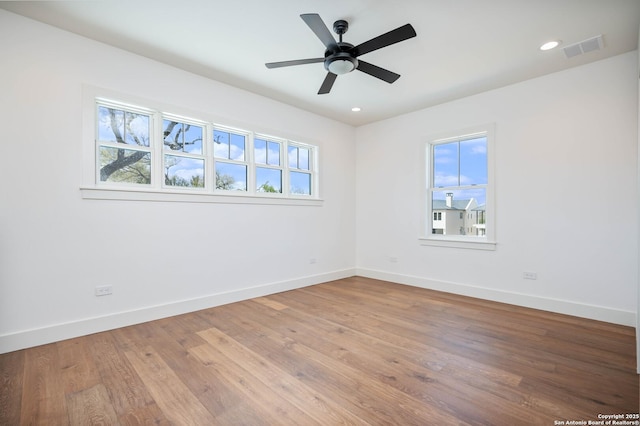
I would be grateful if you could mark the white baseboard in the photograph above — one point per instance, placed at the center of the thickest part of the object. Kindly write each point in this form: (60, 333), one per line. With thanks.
(599, 313)
(54, 333)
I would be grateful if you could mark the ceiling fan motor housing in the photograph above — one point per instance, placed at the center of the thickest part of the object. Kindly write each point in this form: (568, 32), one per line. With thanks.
(340, 27)
(340, 60)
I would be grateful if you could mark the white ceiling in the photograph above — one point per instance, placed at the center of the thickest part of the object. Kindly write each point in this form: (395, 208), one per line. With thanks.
(463, 47)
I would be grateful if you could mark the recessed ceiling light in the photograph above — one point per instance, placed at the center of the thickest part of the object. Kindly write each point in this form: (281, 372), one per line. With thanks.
(356, 109)
(550, 45)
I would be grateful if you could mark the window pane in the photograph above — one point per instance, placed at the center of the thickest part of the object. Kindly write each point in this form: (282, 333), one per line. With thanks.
(273, 153)
(125, 165)
(267, 152)
(260, 148)
(230, 146)
(231, 177)
(110, 125)
(298, 158)
(237, 147)
(172, 131)
(136, 129)
(183, 171)
(303, 158)
(473, 161)
(459, 212)
(121, 126)
(182, 137)
(268, 180)
(293, 157)
(221, 144)
(300, 183)
(445, 165)
(192, 139)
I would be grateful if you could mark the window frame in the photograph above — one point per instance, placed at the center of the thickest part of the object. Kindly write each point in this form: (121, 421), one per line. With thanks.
(93, 188)
(427, 238)
(309, 170)
(247, 162)
(98, 143)
(281, 166)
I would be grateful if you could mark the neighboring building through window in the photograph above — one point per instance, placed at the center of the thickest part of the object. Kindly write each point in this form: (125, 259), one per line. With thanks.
(459, 188)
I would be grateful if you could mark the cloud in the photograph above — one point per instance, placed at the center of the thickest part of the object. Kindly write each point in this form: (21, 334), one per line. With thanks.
(184, 168)
(446, 160)
(187, 174)
(441, 179)
(479, 149)
(474, 146)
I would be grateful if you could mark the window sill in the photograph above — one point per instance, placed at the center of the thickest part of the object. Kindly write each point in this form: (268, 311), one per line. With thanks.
(464, 243)
(91, 193)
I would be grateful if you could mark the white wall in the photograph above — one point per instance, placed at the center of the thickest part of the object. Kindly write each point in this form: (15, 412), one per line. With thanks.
(566, 159)
(55, 247)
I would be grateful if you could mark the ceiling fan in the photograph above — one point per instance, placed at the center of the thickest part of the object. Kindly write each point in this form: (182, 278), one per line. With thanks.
(341, 57)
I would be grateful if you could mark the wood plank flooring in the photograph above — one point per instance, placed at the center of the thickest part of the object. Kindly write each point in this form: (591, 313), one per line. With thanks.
(355, 351)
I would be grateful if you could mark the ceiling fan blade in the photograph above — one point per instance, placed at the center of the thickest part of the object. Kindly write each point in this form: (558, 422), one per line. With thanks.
(394, 36)
(327, 84)
(377, 72)
(317, 25)
(295, 62)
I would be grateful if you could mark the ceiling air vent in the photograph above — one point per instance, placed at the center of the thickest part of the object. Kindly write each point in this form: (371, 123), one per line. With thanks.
(589, 45)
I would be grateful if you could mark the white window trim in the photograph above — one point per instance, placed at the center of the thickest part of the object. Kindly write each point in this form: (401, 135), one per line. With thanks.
(181, 196)
(92, 189)
(488, 241)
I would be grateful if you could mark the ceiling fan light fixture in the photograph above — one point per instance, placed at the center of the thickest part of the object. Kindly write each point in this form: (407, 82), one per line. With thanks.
(341, 63)
(550, 45)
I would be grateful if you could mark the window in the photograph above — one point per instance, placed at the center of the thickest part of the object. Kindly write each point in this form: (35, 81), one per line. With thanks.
(123, 139)
(459, 190)
(183, 160)
(144, 150)
(268, 165)
(299, 170)
(229, 150)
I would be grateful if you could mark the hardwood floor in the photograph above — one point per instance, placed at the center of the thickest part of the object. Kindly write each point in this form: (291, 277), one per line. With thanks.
(354, 351)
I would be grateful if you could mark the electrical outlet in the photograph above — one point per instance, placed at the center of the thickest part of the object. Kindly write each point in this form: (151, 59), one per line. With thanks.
(530, 275)
(104, 290)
